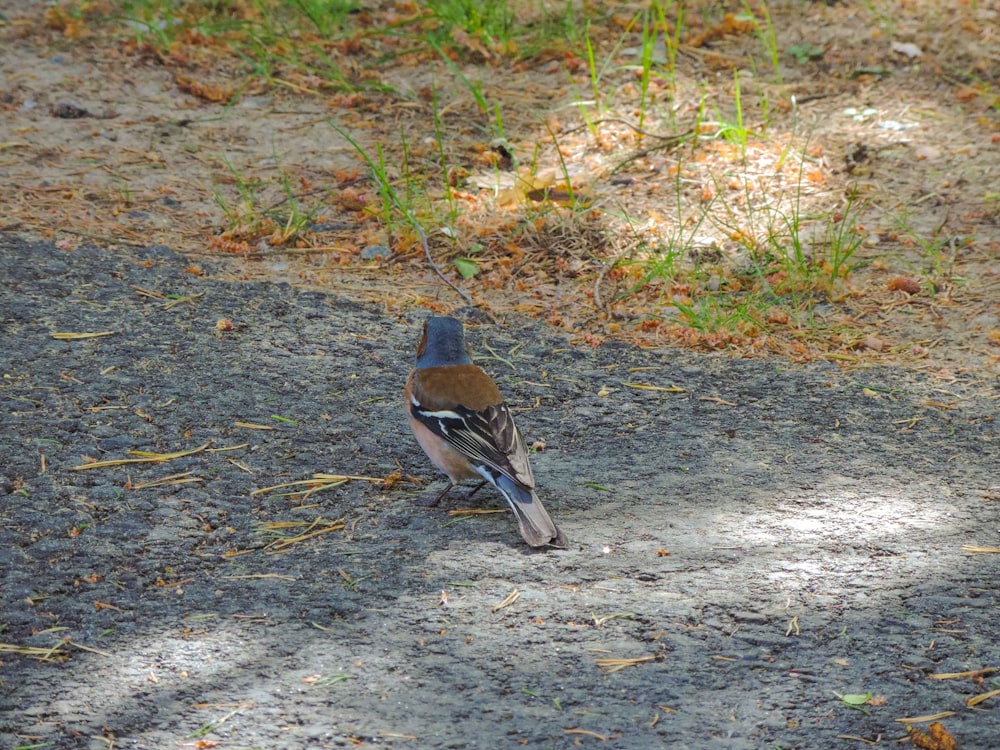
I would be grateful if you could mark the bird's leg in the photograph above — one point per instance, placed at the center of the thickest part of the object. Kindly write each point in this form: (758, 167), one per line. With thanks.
(441, 495)
(433, 502)
(467, 495)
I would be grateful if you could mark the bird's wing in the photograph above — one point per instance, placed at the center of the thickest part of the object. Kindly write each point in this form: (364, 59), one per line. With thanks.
(487, 436)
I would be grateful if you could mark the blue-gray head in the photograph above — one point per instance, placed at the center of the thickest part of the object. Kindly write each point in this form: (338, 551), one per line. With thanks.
(443, 343)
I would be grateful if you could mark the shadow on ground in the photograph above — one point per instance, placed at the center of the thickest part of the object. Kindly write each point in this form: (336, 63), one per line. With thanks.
(763, 540)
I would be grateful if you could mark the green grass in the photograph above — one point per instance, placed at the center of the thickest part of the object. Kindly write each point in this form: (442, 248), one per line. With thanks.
(665, 261)
(264, 35)
(938, 251)
(493, 23)
(767, 36)
(398, 208)
(649, 37)
(794, 253)
(300, 44)
(250, 216)
(327, 16)
(600, 69)
(398, 205)
(712, 313)
(671, 36)
(737, 133)
(473, 87)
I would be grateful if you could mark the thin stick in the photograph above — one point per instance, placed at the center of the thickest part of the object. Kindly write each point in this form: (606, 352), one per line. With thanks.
(427, 252)
(961, 675)
(510, 599)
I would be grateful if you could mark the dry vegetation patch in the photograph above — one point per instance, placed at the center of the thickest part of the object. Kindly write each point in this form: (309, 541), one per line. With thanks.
(812, 180)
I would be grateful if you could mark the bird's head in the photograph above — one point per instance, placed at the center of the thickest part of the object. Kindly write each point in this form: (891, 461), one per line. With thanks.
(443, 343)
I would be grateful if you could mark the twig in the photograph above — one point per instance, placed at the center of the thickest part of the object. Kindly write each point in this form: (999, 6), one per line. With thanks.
(427, 253)
(633, 128)
(668, 143)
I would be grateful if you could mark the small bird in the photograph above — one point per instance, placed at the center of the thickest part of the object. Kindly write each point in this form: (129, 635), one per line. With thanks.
(460, 420)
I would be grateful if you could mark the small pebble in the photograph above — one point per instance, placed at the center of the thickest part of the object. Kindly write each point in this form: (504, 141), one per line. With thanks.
(373, 252)
(69, 111)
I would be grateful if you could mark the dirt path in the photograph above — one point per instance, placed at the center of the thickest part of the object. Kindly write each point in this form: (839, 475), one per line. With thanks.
(765, 538)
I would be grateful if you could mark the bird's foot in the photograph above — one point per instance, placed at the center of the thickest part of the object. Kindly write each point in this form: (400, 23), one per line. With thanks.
(467, 494)
(432, 501)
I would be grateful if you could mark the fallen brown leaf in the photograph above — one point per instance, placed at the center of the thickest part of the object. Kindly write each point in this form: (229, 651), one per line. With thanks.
(936, 738)
(904, 284)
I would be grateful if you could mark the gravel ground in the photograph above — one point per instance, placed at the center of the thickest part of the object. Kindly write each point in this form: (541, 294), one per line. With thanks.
(765, 539)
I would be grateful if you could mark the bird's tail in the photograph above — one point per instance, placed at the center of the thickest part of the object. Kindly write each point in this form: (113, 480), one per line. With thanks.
(534, 522)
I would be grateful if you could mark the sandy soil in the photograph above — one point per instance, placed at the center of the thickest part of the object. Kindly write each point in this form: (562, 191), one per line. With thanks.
(759, 537)
(106, 140)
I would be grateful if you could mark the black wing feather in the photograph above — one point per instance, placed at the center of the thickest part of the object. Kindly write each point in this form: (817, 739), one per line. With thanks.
(488, 437)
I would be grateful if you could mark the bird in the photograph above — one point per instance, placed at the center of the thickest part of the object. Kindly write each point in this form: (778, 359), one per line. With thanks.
(460, 419)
